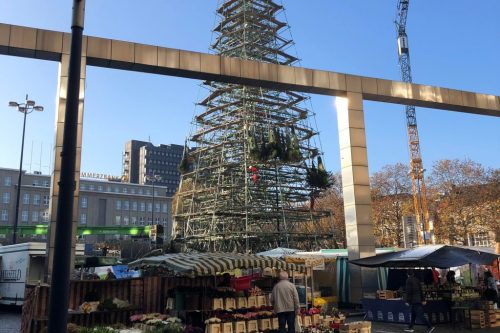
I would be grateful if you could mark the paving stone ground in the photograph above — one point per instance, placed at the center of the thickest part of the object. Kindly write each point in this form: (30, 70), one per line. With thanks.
(10, 322)
(445, 328)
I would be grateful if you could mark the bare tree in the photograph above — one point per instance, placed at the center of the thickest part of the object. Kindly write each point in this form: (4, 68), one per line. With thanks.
(466, 196)
(391, 200)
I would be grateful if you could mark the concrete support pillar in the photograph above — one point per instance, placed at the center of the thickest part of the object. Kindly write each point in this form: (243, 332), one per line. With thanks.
(356, 191)
(56, 171)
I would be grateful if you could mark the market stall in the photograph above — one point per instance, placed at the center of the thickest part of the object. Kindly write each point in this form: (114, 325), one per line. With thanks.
(238, 299)
(447, 300)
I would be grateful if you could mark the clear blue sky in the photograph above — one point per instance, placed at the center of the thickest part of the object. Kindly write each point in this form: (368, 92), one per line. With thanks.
(454, 43)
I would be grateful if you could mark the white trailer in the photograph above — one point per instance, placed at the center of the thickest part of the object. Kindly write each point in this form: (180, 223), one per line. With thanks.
(21, 264)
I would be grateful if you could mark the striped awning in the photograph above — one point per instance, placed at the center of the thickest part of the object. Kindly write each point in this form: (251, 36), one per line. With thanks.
(212, 263)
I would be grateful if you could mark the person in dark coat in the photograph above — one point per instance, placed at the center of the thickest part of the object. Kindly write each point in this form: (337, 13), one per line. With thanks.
(414, 298)
(110, 275)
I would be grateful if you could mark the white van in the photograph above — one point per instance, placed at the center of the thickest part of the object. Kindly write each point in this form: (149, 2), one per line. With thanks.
(21, 264)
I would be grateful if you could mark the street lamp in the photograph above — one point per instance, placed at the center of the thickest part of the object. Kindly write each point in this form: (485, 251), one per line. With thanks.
(26, 108)
(153, 179)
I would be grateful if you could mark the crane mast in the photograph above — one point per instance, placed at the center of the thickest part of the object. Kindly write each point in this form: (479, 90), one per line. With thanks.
(416, 165)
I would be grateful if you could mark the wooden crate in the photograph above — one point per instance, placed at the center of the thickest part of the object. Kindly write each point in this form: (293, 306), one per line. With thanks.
(264, 324)
(385, 294)
(261, 301)
(240, 327)
(275, 323)
(213, 328)
(229, 303)
(252, 326)
(356, 327)
(227, 327)
(241, 303)
(306, 321)
(217, 304)
(252, 301)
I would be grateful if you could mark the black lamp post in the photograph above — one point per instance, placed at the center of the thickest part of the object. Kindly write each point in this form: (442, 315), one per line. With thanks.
(153, 179)
(26, 108)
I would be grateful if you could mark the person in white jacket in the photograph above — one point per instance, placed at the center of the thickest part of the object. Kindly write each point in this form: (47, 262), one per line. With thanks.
(285, 301)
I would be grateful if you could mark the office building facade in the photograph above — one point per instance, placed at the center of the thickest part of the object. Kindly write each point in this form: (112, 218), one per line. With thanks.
(143, 160)
(102, 202)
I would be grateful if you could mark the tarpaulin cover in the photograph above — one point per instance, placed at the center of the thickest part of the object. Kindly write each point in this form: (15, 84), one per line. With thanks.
(212, 263)
(279, 252)
(441, 256)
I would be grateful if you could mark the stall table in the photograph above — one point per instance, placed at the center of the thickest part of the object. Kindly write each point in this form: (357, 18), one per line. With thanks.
(396, 310)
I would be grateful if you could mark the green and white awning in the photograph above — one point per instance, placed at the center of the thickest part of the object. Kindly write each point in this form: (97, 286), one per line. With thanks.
(211, 263)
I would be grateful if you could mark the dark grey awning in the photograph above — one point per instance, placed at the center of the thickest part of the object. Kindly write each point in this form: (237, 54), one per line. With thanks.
(211, 263)
(441, 256)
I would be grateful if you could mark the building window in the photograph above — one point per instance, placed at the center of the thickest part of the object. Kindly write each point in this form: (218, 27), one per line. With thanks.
(150, 221)
(83, 187)
(7, 181)
(108, 189)
(141, 220)
(45, 200)
(125, 190)
(35, 182)
(118, 219)
(26, 199)
(143, 207)
(84, 202)
(150, 207)
(117, 190)
(118, 204)
(164, 208)
(99, 188)
(132, 190)
(125, 220)
(46, 183)
(140, 191)
(34, 216)
(125, 205)
(134, 205)
(91, 187)
(148, 192)
(24, 216)
(83, 218)
(6, 197)
(36, 199)
(133, 220)
(5, 215)
(157, 220)
(45, 217)
(157, 207)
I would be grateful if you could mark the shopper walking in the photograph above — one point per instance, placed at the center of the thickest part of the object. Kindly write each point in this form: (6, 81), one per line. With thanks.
(285, 301)
(414, 298)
